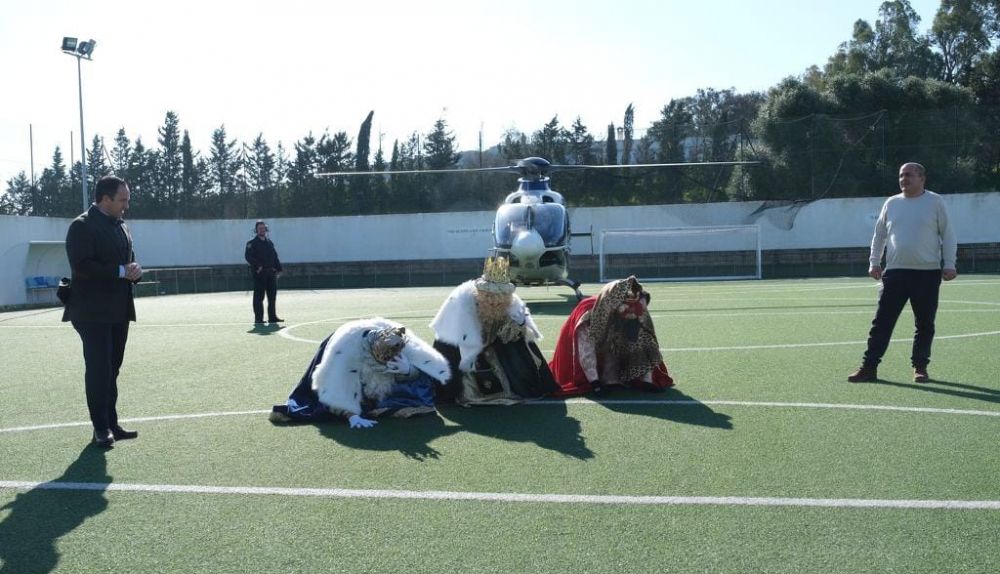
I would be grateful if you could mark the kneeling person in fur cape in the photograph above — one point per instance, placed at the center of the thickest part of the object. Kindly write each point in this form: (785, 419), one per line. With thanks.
(609, 339)
(489, 338)
(369, 367)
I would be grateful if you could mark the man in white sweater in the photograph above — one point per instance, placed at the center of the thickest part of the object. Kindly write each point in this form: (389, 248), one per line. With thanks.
(920, 250)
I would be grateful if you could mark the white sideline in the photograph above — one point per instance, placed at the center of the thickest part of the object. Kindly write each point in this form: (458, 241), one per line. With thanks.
(572, 401)
(510, 496)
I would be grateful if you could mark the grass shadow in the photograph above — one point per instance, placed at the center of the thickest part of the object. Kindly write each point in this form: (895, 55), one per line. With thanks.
(41, 516)
(265, 328)
(549, 427)
(672, 405)
(976, 393)
(411, 436)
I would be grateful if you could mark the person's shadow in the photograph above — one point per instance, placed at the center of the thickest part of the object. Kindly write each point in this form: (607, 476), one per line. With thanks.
(409, 436)
(950, 388)
(265, 328)
(42, 515)
(672, 405)
(548, 426)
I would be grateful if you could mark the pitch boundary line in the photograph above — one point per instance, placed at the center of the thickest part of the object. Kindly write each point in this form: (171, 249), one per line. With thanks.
(571, 401)
(445, 495)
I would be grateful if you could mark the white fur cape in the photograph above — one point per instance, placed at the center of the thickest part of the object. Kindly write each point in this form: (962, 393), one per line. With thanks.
(457, 323)
(347, 372)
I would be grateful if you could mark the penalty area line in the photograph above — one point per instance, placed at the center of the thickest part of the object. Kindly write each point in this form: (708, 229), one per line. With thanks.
(444, 495)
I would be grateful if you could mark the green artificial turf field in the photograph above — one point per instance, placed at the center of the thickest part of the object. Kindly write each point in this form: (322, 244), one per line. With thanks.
(762, 459)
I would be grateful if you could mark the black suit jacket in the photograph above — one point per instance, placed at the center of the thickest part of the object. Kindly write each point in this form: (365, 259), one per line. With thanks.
(97, 245)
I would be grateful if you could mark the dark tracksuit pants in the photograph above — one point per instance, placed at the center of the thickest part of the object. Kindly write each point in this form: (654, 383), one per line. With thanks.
(103, 352)
(265, 282)
(919, 287)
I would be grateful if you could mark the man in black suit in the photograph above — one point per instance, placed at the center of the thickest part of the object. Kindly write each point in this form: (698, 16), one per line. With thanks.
(101, 304)
(265, 269)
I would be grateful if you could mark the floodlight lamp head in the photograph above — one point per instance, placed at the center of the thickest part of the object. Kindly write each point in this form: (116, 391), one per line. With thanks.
(69, 44)
(86, 48)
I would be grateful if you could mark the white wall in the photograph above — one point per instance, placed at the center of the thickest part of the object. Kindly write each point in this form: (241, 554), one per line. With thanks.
(824, 223)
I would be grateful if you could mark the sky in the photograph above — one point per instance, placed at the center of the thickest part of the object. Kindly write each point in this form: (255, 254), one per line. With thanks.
(290, 67)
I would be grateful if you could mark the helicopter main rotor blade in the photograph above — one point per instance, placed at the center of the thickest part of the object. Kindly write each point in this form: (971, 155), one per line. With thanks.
(677, 164)
(411, 171)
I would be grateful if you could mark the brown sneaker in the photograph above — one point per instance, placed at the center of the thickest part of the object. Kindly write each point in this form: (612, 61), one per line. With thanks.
(920, 375)
(863, 375)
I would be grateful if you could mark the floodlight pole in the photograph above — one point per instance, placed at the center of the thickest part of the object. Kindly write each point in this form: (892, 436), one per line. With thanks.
(83, 145)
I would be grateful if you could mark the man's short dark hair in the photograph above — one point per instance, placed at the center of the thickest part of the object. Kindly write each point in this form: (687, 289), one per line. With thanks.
(107, 185)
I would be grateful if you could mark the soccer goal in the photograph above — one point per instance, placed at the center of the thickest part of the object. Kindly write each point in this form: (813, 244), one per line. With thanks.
(681, 253)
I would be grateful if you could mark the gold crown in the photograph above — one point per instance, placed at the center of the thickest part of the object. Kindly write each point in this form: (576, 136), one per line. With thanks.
(496, 276)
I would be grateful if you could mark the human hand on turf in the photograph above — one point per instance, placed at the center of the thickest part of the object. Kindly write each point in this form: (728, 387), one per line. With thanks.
(948, 274)
(357, 422)
(875, 273)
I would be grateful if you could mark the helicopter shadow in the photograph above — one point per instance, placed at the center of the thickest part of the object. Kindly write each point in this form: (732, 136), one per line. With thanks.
(41, 516)
(547, 426)
(672, 405)
(410, 437)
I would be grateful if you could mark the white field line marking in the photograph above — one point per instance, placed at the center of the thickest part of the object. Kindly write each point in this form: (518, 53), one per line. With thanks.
(802, 345)
(509, 496)
(139, 420)
(870, 312)
(845, 406)
(572, 401)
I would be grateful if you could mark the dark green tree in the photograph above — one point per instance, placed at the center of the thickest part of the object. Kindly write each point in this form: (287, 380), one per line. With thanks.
(627, 135)
(171, 165)
(224, 164)
(611, 147)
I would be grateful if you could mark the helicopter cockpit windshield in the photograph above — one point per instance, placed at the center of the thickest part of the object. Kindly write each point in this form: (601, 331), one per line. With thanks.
(547, 219)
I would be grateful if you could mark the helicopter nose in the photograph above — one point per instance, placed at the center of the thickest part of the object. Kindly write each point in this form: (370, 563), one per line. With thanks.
(528, 245)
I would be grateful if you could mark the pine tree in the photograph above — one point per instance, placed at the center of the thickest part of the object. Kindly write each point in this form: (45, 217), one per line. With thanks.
(121, 155)
(611, 147)
(224, 165)
(171, 165)
(97, 167)
(19, 196)
(627, 142)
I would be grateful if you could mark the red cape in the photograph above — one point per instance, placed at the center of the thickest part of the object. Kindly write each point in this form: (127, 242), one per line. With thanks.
(566, 368)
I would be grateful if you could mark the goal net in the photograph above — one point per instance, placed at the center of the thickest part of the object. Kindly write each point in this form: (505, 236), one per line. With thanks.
(681, 253)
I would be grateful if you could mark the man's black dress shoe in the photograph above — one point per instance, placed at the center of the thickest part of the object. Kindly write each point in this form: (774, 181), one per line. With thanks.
(123, 434)
(104, 439)
(275, 320)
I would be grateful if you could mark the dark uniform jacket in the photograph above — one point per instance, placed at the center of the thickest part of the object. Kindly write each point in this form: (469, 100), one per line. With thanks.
(261, 253)
(97, 245)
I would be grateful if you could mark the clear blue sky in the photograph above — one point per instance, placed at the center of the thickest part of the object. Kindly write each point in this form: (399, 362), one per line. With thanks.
(285, 68)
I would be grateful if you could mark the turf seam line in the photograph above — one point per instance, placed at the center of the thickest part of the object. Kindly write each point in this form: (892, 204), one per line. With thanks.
(511, 496)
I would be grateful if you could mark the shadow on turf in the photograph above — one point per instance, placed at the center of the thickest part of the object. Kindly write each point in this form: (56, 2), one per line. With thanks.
(692, 413)
(265, 329)
(547, 426)
(40, 517)
(934, 386)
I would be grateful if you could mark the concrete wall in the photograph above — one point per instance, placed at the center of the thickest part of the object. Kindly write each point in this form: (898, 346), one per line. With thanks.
(831, 223)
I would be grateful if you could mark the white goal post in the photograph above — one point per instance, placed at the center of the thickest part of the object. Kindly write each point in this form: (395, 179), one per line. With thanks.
(721, 252)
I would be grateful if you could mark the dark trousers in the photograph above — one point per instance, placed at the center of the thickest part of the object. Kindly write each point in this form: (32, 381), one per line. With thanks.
(265, 282)
(921, 289)
(103, 352)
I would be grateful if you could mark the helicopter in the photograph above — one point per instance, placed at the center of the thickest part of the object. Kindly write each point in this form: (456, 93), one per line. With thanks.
(531, 228)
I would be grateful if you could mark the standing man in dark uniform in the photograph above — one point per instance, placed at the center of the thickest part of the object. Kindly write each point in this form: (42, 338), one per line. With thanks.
(264, 268)
(99, 247)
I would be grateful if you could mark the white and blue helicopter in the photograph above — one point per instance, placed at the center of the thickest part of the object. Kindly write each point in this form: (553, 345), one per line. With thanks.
(531, 228)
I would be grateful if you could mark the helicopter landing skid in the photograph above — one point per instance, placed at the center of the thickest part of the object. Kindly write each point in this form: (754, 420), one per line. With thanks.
(574, 285)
